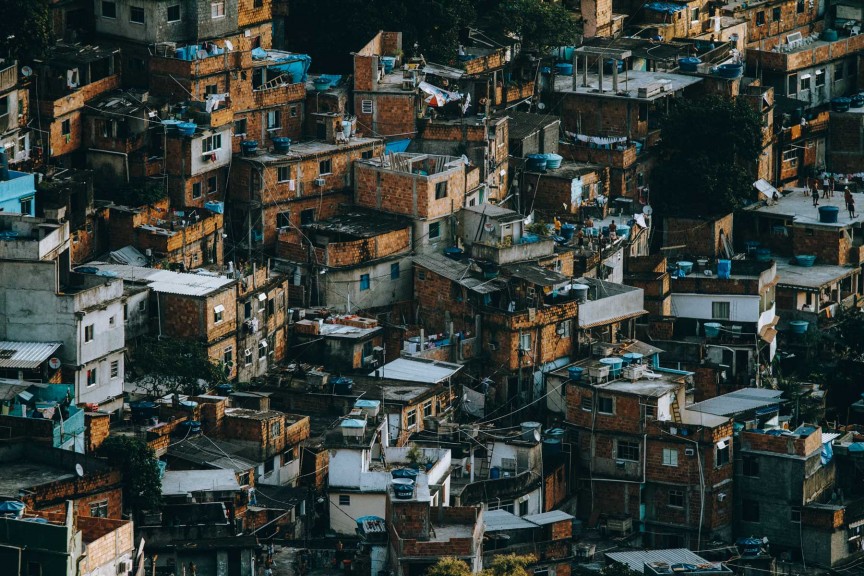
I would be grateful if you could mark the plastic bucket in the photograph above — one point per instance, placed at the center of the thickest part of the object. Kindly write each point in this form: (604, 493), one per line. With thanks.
(805, 260)
(712, 329)
(685, 266)
(798, 326)
(575, 373)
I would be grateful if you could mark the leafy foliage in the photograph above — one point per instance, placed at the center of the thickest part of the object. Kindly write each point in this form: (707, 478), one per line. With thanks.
(616, 569)
(707, 157)
(144, 192)
(450, 566)
(166, 366)
(510, 565)
(540, 25)
(142, 489)
(25, 29)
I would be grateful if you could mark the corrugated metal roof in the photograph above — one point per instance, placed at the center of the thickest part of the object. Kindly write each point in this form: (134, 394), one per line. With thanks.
(498, 520)
(550, 517)
(637, 559)
(418, 370)
(738, 401)
(166, 281)
(26, 354)
(458, 272)
(186, 481)
(613, 320)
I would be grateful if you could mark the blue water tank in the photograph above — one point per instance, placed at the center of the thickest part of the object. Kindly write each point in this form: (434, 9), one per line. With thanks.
(564, 69)
(494, 473)
(724, 269)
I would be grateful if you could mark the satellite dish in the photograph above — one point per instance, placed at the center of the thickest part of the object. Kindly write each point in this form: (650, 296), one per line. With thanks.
(79, 470)
(489, 227)
(541, 106)
(54, 363)
(26, 71)
(647, 210)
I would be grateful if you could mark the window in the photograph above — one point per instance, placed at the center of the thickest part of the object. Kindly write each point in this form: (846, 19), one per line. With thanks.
(4, 106)
(676, 498)
(800, 7)
(66, 128)
(562, 329)
(258, 3)
(283, 173)
(91, 377)
(750, 467)
(344, 500)
(791, 85)
(427, 409)
(587, 402)
(211, 89)
(643, 112)
(240, 127)
(292, 111)
(790, 155)
(283, 219)
(27, 205)
(760, 18)
(820, 77)
(775, 14)
(269, 465)
(525, 342)
(523, 509)
(325, 167)
(694, 14)
(99, 509)
(271, 306)
(142, 306)
(112, 322)
(366, 155)
(394, 271)
(217, 9)
(721, 453)
(720, 310)
(211, 143)
(750, 510)
(88, 333)
(366, 106)
(605, 404)
(434, 230)
(411, 419)
(440, 190)
(136, 14)
(670, 457)
(805, 82)
(838, 71)
(174, 13)
(364, 282)
(109, 9)
(228, 355)
(125, 312)
(275, 429)
(421, 274)
(212, 185)
(247, 357)
(307, 216)
(217, 313)
(196, 190)
(274, 120)
(262, 351)
(627, 450)
(795, 514)
(115, 369)
(262, 302)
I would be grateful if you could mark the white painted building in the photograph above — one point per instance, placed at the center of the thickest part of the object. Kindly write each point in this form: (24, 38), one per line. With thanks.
(43, 301)
(360, 473)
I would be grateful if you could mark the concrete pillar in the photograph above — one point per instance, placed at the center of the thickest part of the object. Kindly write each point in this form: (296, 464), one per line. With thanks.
(585, 72)
(600, 74)
(575, 68)
(615, 76)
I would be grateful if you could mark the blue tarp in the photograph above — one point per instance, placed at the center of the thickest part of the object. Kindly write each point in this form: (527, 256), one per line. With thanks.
(397, 146)
(297, 65)
(334, 79)
(666, 7)
(827, 453)
(856, 447)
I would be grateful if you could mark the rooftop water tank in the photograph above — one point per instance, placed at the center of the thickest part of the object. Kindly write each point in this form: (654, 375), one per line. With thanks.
(581, 291)
(530, 431)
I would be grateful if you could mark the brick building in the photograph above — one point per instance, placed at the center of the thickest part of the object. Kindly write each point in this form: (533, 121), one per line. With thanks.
(646, 462)
(547, 536)
(274, 191)
(68, 78)
(14, 113)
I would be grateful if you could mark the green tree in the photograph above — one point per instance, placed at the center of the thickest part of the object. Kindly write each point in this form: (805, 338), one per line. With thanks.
(450, 566)
(25, 29)
(616, 569)
(510, 565)
(707, 157)
(142, 485)
(168, 366)
(537, 24)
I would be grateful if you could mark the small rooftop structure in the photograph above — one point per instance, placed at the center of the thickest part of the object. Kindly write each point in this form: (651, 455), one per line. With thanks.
(813, 278)
(358, 224)
(418, 370)
(418, 164)
(797, 205)
(632, 85)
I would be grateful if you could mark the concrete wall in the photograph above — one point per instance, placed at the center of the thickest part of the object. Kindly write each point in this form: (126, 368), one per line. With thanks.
(342, 518)
(741, 308)
(342, 293)
(156, 27)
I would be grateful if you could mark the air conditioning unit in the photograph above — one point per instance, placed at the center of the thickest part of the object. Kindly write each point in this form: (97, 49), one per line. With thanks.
(689, 452)
(319, 181)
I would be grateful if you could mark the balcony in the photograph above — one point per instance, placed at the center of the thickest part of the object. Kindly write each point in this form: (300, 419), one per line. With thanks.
(215, 64)
(814, 127)
(8, 75)
(509, 253)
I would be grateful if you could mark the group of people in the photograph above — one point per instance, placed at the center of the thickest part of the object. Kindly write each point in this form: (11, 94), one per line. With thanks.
(828, 186)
